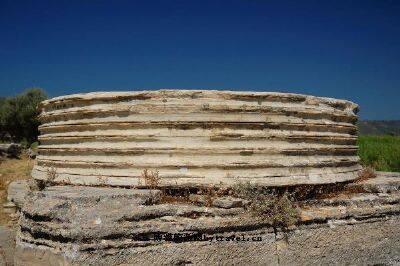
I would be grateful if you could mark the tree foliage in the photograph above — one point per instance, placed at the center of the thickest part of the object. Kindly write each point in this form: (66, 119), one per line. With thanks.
(18, 115)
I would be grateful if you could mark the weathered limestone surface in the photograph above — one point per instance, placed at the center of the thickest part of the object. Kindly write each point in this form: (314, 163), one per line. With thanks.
(16, 192)
(198, 138)
(385, 182)
(7, 245)
(66, 225)
(367, 243)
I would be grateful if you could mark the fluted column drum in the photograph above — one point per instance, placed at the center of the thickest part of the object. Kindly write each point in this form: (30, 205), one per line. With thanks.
(197, 137)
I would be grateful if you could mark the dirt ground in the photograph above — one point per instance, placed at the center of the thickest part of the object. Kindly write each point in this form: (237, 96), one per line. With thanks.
(10, 170)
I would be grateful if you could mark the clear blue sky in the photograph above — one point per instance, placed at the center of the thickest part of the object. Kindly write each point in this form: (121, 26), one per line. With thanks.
(342, 49)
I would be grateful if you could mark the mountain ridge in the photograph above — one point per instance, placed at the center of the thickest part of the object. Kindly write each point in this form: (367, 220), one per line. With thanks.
(379, 127)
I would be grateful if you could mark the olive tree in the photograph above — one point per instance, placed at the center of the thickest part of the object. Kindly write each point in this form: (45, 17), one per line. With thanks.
(18, 115)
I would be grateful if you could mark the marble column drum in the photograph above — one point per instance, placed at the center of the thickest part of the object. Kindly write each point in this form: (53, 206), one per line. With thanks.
(197, 138)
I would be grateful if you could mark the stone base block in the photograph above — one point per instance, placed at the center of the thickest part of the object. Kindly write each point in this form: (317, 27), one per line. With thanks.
(115, 226)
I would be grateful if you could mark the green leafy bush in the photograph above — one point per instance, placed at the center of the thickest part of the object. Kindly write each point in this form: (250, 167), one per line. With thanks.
(34, 146)
(18, 116)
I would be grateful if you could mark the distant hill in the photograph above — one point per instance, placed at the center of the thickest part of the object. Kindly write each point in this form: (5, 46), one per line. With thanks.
(379, 127)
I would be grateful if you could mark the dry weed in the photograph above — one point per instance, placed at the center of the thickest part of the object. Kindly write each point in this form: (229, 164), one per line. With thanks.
(151, 178)
(366, 173)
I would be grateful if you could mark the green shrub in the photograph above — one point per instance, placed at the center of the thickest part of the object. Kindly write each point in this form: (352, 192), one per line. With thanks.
(34, 146)
(18, 116)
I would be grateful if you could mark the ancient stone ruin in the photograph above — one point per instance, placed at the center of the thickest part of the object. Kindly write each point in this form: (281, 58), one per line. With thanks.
(204, 177)
(198, 138)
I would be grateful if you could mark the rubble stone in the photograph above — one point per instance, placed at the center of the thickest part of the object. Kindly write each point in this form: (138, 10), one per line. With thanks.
(7, 245)
(227, 202)
(16, 192)
(384, 182)
(12, 150)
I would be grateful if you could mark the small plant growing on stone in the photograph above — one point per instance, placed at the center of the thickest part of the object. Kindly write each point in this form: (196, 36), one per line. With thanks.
(151, 178)
(209, 196)
(278, 208)
(51, 174)
(68, 181)
(366, 173)
(249, 191)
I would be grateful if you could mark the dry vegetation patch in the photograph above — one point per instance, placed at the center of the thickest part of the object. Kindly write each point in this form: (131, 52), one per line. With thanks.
(11, 170)
(278, 207)
(365, 174)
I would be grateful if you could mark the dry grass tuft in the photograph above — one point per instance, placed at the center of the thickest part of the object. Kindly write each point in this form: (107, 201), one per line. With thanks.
(366, 173)
(10, 170)
(151, 178)
(51, 174)
(14, 169)
(210, 196)
(270, 204)
(278, 209)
